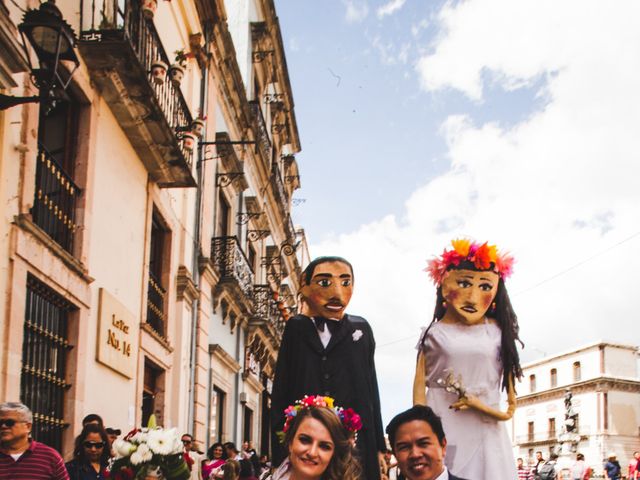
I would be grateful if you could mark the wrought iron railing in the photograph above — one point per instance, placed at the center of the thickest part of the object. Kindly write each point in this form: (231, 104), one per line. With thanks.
(156, 305)
(44, 361)
(278, 187)
(55, 200)
(104, 20)
(261, 132)
(232, 263)
(266, 308)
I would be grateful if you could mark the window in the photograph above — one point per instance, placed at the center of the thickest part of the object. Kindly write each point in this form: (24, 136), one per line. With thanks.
(552, 428)
(247, 430)
(224, 212)
(44, 361)
(554, 378)
(152, 393)
(157, 290)
(216, 425)
(56, 193)
(530, 432)
(577, 373)
(532, 383)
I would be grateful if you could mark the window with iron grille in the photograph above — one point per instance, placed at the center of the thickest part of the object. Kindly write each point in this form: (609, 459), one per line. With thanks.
(157, 292)
(44, 361)
(56, 194)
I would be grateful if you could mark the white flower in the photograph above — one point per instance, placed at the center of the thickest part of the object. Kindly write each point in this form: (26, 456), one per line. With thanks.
(141, 455)
(122, 448)
(162, 442)
(356, 335)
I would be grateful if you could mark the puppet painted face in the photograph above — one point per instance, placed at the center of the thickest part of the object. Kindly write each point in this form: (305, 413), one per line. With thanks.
(329, 290)
(469, 294)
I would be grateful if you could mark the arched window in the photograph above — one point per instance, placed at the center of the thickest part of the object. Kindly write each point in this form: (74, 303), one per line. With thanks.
(577, 372)
(532, 383)
(554, 378)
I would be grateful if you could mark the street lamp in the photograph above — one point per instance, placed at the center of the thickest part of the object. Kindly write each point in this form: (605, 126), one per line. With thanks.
(53, 41)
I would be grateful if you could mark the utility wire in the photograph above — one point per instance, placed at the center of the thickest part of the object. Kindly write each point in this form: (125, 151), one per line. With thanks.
(546, 280)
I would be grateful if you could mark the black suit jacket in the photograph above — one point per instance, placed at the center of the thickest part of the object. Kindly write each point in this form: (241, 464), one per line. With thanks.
(344, 370)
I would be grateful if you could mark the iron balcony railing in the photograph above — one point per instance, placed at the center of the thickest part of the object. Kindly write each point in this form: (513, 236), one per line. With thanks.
(44, 361)
(156, 305)
(232, 263)
(55, 200)
(266, 308)
(261, 132)
(107, 20)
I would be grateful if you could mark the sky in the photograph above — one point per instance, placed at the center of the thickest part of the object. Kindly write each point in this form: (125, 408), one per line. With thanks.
(516, 123)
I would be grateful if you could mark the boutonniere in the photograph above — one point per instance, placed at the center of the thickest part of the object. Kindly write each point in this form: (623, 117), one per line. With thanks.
(356, 335)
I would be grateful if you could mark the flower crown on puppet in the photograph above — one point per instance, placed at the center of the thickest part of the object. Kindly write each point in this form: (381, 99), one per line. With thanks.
(348, 417)
(483, 256)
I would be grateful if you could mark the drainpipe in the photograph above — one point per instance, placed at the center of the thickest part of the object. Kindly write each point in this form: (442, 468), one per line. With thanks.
(237, 389)
(195, 267)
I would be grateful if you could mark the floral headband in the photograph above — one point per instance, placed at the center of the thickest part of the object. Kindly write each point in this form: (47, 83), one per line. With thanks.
(349, 418)
(483, 256)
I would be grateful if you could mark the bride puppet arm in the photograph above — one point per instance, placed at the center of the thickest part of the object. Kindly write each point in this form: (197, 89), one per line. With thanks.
(471, 401)
(419, 381)
(464, 403)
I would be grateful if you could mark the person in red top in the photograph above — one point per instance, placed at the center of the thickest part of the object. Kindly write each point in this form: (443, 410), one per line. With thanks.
(20, 457)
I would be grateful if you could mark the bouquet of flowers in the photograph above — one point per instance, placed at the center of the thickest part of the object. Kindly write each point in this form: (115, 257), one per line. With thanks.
(452, 384)
(149, 452)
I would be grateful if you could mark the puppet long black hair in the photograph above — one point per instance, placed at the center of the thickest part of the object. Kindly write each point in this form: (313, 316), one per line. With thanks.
(506, 318)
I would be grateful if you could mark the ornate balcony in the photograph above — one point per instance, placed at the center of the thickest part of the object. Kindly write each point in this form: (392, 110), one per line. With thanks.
(233, 266)
(266, 311)
(263, 142)
(120, 45)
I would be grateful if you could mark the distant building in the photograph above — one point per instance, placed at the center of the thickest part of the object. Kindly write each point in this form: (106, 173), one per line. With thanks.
(605, 387)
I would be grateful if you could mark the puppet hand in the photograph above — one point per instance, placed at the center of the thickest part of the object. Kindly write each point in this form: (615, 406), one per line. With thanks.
(466, 402)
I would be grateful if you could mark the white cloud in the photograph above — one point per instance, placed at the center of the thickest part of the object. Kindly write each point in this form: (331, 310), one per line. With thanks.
(389, 8)
(357, 11)
(556, 189)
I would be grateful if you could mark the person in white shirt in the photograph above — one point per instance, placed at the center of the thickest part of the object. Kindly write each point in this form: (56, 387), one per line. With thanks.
(419, 444)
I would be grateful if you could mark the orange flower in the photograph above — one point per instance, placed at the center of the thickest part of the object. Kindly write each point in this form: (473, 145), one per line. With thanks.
(482, 257)
(461, 246)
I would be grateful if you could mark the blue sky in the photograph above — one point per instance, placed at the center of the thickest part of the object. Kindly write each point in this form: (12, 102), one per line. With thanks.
(512, 122)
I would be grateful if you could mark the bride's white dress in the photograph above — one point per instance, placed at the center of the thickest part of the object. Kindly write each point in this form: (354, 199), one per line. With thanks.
(478, 447)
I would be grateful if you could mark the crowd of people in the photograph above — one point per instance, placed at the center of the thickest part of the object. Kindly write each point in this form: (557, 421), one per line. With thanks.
(541, 469)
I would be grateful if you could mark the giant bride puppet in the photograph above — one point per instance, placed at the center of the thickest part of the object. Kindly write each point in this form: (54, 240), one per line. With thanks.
(467, 356)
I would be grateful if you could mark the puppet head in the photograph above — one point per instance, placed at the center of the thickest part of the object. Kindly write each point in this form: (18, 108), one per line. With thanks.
(327, 286)
(470, 255)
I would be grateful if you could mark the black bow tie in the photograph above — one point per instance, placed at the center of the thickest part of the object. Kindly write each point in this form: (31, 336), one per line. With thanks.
(332, 324)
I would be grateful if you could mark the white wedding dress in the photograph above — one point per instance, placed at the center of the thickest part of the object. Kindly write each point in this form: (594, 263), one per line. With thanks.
(478, 447)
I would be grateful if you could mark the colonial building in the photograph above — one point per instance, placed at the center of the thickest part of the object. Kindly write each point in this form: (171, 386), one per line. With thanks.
(605, 396)
(147, 251)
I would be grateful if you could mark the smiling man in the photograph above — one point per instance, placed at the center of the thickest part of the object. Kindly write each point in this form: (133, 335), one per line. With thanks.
(419, 444)
(325, 351)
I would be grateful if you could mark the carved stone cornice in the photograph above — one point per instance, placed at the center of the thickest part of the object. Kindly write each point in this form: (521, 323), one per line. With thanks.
(598, 384)
(218, 352)
(207, 272)
(187, 289)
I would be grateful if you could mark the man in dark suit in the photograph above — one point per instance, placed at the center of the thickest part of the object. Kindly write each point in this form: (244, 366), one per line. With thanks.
(326, 352)
(419, 444)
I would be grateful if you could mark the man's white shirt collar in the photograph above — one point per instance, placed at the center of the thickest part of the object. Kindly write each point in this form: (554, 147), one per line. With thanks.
(444, 475)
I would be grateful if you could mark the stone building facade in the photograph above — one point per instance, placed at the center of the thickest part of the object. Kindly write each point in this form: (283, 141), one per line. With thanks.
(605, 395)
(148, 258)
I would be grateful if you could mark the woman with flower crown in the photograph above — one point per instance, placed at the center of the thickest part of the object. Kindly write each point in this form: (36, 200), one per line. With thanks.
(467, 357)
(320, 439)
